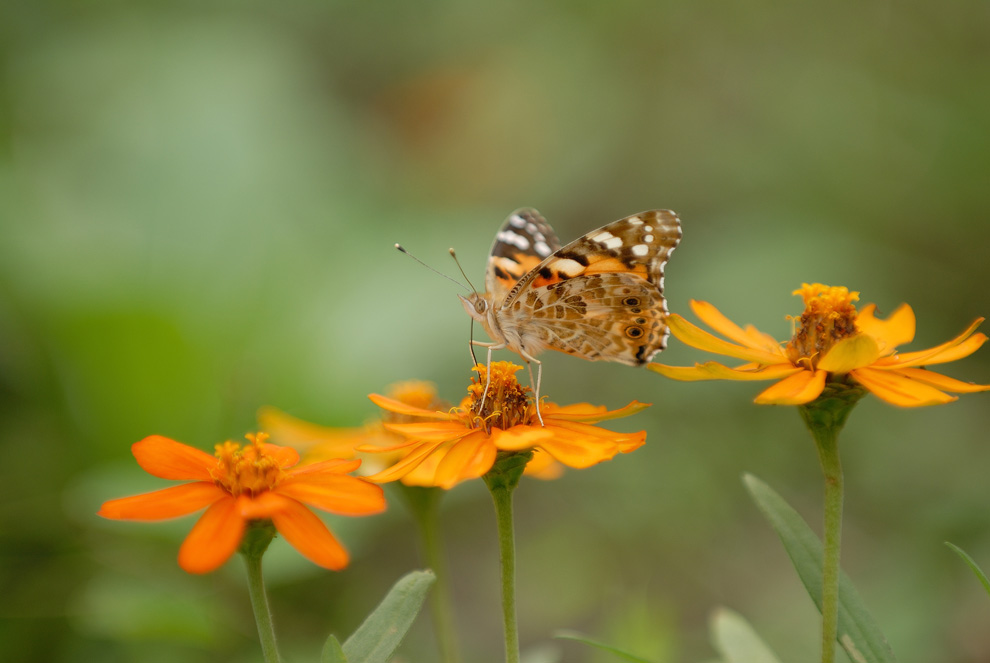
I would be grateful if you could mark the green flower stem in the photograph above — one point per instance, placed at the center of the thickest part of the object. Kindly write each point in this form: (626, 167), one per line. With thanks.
(825, 417)
(502, 480)
(828, 454)
(253, 546)
(425, 505)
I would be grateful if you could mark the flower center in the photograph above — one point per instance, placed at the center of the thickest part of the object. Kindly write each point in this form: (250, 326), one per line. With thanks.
(248, 470)
(829, 316)
(506, 404)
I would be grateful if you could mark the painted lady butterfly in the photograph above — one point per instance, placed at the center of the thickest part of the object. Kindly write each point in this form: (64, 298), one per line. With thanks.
(598, 298)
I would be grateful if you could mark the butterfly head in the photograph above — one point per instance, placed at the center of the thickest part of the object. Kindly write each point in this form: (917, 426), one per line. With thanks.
(478, 306)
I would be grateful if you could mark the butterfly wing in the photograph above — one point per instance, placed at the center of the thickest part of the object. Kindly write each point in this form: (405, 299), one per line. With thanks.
(601, 296)
(523, 242)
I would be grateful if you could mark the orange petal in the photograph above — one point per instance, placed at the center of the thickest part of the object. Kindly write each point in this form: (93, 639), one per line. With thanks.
(697, 337)
(519, 438)
(898, 329)
(285, 456)
(797, 389)
(431, 432)
(213, 539)
(849, 353)
(543, 466)
(169, 459)
(286, 429)
(899, 389)
(349, 496)
(750, 337)
(467, 459)
(942, 382)
(163, 504)
(263, 505)
(961, 346)
(415, 457)
(576, 446)
(694, 373)
(304, 530)
(591, 413)
(716, 371)
(399, 407)
(325, 468)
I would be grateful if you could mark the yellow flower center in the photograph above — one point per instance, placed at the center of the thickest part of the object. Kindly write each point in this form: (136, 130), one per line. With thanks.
(829, 316)
(506, 404)
(248, 470)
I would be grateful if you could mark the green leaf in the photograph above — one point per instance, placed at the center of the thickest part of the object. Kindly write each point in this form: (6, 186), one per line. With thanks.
(736, 641)
(574, 635)
(972, 564)
(858, 633)
(332, 653)
(383, 630)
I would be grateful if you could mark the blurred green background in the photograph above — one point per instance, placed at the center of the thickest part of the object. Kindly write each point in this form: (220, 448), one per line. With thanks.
(198, 205)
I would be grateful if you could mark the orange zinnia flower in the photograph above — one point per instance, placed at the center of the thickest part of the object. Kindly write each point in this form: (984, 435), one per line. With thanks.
(832, 343)
(246, 484)
(445, 448)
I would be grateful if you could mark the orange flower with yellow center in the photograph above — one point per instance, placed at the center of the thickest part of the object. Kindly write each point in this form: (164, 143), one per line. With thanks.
(445, 448)
(255, 482)
(832, 343)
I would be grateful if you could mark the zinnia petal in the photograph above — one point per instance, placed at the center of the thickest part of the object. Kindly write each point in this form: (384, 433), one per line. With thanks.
(898, 329)
(797, 389)
(750, 337)
(899, 389)
(519, 438)
(213, 539)
(431, 432)
(694, 373)
(168, 459)
(263, 505)
(414, 458)
(285, 456)
(298, 433)
(958, 348)
(750, 372)
(543, 466)
(467, 459)
(304, 530)
(849, 353)
(590, 414)
(328, 468)
(399, 407)
(942, 382)
(697, 337)
(576, 446)
(163, 504)
(349, 496)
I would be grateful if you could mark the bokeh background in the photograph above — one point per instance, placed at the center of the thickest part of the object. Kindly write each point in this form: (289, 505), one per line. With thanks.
(198, 205)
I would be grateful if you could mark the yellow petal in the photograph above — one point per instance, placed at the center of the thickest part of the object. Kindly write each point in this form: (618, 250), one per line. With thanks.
(961, 346)
(446, 430)
(899, 389)
(467, 459)
(590, 413)
(943, 382)
(849, 353)
(897, 329)
(407, 464)
(519, 438)
(698, 338)
(797, 389)
(750, 337)
(543, 466)
(399, 407)
(717, 371)
(683, 373)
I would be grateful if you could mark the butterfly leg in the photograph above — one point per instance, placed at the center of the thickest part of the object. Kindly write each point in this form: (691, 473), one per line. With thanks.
(488, 366)
(539, 376)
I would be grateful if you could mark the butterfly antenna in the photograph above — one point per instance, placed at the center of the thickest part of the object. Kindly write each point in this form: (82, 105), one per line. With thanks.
(452, 280)
(458, 263)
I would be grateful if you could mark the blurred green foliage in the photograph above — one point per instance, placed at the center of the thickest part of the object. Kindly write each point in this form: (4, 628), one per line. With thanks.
(198, 203)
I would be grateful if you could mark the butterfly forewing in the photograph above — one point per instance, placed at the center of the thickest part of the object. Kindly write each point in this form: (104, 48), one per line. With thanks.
(523, 242)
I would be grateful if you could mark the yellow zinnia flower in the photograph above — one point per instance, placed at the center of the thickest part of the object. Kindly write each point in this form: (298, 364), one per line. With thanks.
(445, 448)
(832, 343)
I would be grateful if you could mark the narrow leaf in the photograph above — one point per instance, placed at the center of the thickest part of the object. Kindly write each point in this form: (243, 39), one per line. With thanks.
(574, 635)
(972, 564)
(736, 641)
(858, 633)
(383, 630)
(332, 653)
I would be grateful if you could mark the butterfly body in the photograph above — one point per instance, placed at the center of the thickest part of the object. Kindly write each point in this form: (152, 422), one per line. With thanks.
(599, 297)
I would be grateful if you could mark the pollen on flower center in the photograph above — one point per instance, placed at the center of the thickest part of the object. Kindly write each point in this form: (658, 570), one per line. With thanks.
(506, 404)
(248, 470)
(829, 316)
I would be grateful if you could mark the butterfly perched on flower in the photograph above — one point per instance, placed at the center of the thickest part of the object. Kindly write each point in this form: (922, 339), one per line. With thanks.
(598, 298)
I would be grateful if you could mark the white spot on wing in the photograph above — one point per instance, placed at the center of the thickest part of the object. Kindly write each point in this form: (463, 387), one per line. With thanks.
(640, 250)
(517, 221)
(613, 243)
(514, 238)
(648, 238)
(568, 267)
(636, 221)
(647, 229)
(542, 249)
(603, 236)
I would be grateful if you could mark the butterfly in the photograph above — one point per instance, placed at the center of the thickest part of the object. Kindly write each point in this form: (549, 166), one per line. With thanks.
(598, 298)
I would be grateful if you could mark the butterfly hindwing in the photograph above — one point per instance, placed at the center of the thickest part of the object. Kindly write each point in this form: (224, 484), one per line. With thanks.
(523, 242)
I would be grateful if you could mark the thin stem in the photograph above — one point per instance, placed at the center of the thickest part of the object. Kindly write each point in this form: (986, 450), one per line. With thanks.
(502, 496)
(425, 505)
(828, 454)
(259, 603)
